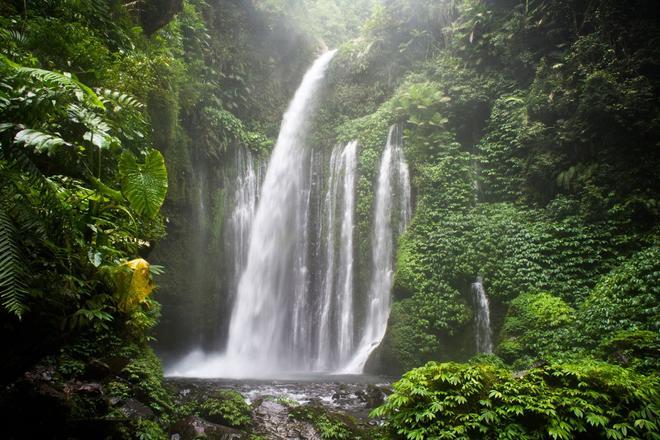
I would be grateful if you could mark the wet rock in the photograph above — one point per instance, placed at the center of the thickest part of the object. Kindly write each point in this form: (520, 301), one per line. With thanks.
(193, 427)
(271, 419)
(374, 396)
(342, 393)
(134, 409)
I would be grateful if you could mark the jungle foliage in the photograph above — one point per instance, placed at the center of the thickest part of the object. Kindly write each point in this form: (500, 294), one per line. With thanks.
(587, 400)
(531, 130)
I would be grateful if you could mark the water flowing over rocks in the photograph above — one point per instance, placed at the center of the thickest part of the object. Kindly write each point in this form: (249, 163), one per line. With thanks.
(283, 409)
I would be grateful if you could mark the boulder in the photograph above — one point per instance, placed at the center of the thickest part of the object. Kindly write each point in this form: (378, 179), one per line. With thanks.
(193, 427)
(271, 420)
(134, 409)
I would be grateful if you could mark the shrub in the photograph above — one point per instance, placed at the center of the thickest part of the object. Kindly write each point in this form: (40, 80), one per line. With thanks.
(536, 325)
(227, 408)
(587, 400)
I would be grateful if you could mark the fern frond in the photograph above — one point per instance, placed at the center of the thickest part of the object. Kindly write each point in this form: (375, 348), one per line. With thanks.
(24, 175)
(13, 289)
(56, 79)
(41, 142)
(97, 126)
(144, 184)
(119, 100)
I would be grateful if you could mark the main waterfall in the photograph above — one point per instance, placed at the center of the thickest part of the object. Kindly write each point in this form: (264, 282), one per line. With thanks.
(267, 332)
(296, 306)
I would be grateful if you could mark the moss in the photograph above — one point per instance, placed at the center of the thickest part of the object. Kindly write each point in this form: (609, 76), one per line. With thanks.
(330, 425)
(227, 408)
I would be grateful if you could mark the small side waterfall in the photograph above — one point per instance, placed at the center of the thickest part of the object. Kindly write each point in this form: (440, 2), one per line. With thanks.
(483, 332)
(335, 324)
(392, 195)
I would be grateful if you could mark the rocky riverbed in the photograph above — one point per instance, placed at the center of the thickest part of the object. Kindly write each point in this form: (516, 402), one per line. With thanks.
(315, 407)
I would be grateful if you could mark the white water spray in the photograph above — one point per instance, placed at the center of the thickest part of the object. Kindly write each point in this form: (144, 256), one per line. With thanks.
(336, 312)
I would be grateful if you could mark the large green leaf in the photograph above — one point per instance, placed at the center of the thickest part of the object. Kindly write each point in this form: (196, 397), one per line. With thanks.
(144, 184)
(13, 289)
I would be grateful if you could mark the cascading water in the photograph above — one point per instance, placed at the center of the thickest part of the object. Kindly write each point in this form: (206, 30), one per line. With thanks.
(393, 187)
(247, 183)
(295, 305)
(271, 328)
(483, 333)
(335, 331)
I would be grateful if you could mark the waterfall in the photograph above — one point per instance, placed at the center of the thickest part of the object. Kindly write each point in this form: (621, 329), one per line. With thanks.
(483, 333)
(336, 315)
(393, 187)
(247, 182)
(294, 310)
(272, 322)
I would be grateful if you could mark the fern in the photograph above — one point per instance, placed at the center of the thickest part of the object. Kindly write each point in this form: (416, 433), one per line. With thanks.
(144, 185)
(41, 142)
(97, 126)
(13, 289)
(119, 100)
(61, 80)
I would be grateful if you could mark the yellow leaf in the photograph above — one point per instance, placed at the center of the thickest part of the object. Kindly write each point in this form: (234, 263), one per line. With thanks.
(134, 284)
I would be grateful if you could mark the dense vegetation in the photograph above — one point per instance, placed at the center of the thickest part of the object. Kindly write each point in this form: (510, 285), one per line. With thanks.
(532, 132)
(99, 102)
(531, 129)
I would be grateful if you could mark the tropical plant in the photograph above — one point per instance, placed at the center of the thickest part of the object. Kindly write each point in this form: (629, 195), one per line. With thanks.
(564, 401)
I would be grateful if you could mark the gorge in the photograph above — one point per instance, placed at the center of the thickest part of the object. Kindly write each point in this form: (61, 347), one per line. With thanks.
(214, 226)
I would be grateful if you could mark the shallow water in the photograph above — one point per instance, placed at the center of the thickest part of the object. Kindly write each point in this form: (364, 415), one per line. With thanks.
(352, 394)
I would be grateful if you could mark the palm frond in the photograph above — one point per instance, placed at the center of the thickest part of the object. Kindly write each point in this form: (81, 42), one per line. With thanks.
(61, 80)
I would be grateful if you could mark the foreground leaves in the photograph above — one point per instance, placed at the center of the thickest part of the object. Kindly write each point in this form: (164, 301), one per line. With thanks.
(568, 401)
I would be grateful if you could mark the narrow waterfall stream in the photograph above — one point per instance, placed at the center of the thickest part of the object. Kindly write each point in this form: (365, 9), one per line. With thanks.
(483, 332)
(247, 183)
(392, 195)
(336, 312)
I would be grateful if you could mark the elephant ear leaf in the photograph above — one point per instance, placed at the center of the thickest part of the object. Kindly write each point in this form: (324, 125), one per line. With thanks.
(144, 184)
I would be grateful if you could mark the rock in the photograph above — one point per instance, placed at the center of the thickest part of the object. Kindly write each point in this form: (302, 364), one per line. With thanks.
(193, 427)
(374, 396)
(154, 14)
(97, 370)
(271, 419)
(134, 409)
